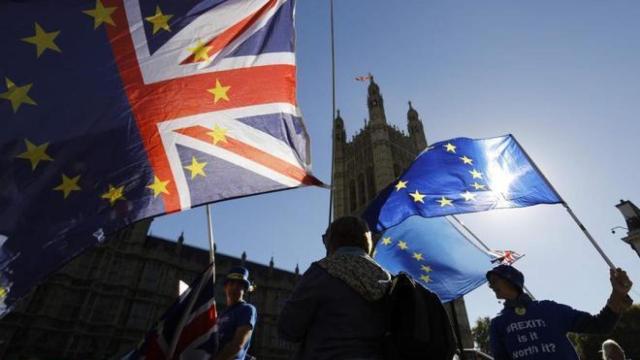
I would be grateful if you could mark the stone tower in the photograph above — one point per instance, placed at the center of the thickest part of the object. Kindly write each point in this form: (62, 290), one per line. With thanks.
(375, 156)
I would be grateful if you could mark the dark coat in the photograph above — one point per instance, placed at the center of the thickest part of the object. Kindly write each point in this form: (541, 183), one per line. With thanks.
(339, 315)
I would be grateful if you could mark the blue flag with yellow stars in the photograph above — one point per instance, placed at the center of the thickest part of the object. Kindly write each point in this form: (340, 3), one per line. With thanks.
(435, 254)
(462, 175)
(112, 111)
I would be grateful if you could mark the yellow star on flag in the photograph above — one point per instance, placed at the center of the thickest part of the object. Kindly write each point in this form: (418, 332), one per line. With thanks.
(478, 186)
(196, 168)
(3, 292)
(17, 95)
(68, 185)
(445, 202)
(114, 194)
(219, 92)
(158, 186)
(43, 40)
(200, 52)
(417, 256)
(425, 278)
(476, 174)
(402, 245)
(401, 185)
(425, 268)
(417, 197)
(159, 20)
(101, 14)
(386, 240)
(218, 134)
(450, 147)
(466, 160)
(468, 196)
(35, 153)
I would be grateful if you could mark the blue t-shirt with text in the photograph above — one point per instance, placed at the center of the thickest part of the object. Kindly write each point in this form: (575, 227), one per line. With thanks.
(240, 314)
(535, 332)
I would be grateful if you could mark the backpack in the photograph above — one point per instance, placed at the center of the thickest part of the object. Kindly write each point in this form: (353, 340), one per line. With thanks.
(418, 326)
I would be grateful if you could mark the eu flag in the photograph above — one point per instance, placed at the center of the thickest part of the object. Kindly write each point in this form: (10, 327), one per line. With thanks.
(435, 254)
(462, 175)
(113, 111)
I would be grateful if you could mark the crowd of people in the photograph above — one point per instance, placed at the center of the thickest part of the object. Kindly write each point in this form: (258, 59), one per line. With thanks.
(338, 309)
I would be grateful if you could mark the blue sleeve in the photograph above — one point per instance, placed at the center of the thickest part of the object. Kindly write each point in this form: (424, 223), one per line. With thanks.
(496, 340)
(300, 309)
(247, 315)
(584, 323)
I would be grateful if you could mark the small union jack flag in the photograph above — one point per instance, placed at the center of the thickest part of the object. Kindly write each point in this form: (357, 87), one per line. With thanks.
(506, 257)
(188, 330)
(118, 110)
(363, 78)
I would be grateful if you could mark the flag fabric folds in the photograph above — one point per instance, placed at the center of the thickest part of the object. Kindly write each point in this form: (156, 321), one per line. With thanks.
(190, 323)
(462, 175)
(117, 110)
(435, 254)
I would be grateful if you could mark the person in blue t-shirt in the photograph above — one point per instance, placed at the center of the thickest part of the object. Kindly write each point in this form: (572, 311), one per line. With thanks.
(536, 330)
(236, 323)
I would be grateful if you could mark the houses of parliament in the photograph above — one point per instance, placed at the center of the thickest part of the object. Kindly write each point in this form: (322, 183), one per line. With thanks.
(101, 304)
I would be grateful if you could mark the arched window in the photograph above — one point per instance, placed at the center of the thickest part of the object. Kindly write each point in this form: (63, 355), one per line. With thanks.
(352, 195)
(361, 190)
(371, 184)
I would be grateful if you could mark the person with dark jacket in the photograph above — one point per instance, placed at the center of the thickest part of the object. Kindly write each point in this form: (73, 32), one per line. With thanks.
(532, 330)
(337, 309)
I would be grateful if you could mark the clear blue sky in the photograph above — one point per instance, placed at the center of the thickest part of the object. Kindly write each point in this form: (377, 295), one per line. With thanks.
(563, 77)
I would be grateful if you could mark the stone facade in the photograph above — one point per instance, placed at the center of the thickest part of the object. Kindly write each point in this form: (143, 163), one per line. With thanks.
(103, 302)
(371, 160)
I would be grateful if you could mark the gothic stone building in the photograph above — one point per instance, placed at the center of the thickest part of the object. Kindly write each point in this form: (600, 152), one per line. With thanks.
(370, 161)
(103, 302)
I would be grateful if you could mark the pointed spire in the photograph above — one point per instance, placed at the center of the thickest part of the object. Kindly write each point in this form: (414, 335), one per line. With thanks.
(243, 258)
(412, 114)
(181, 238)
(297, 270)
(271, 263)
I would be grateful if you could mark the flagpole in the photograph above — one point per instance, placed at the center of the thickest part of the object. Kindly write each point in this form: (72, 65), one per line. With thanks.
(212, 259)
(568, 208)
(484, 246)
(333, 109)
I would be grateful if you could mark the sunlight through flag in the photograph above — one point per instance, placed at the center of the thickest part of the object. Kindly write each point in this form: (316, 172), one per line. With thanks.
(462, 175)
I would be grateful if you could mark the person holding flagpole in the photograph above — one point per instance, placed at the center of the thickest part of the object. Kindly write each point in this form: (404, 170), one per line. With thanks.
(529, 329)
(236, 323)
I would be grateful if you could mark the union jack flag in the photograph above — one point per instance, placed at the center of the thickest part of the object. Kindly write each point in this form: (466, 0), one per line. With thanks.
(188, 329)
(118, 110)
(506, 257)
(363, 78)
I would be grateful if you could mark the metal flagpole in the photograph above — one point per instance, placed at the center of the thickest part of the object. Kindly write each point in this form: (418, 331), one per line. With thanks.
(566, 206)
(484, 246)
(333, 109)
(471, 233)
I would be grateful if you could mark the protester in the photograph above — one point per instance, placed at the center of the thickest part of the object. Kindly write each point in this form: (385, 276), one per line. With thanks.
(528, 329)
(336, 311)
(612, 351)
(236, 323)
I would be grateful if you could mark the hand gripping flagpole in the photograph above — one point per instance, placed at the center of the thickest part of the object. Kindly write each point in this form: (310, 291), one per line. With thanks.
(333, 110)
(568, 208)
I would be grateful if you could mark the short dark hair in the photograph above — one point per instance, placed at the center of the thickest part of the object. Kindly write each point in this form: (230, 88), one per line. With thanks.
(347, 231)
